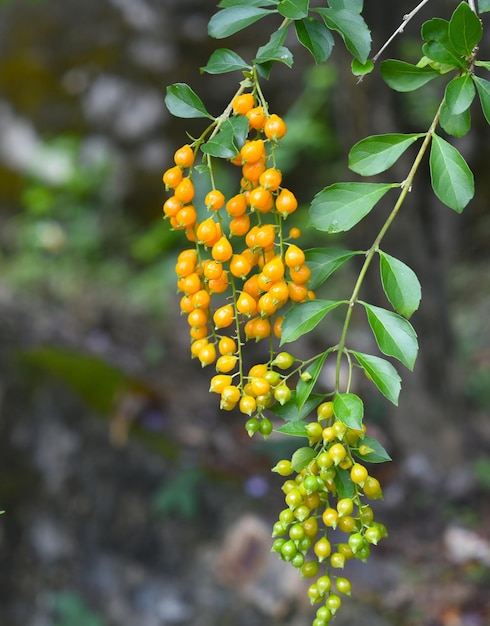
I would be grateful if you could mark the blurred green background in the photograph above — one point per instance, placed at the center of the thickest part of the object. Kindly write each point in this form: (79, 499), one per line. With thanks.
(129, 498)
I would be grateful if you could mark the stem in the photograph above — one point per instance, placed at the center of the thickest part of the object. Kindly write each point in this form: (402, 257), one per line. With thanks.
(406, 187)
(400, 29)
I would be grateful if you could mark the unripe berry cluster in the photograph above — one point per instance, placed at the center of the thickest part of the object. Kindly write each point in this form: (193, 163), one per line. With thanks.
(243, 269)
(325, 494)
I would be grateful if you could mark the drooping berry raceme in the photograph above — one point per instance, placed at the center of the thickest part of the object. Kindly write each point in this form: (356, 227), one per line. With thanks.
(239, 273)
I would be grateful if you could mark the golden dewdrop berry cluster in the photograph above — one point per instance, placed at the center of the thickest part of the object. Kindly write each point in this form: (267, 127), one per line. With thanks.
(242, 269)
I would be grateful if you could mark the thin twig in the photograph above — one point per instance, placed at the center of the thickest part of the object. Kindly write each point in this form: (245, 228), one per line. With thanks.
(473, 6)
(406, 19)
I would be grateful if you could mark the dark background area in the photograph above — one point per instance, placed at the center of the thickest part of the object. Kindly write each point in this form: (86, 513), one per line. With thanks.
(129, 498)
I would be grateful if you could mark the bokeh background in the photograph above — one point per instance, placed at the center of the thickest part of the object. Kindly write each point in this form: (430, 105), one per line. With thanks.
(129, 498)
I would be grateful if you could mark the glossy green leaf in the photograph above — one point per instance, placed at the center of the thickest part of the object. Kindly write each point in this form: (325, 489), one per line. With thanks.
(435, 29)
(294, 9)
(485, 64)
(316, 37)
(460, 93)
(229, 140)
(343, 484)
(452, 179)
(465, 29)
(378, 153)
(325, 261)
(402, 76)
(400, 284)
(349, 409)
(255, 3)
(182, 101)
(350, 5)
(290, 411)
(443, 54)
(295, 429)
(455, 125)
(352, 28)
(274, 50)
(224, 60)
(394, 335)
(304, 388)
(231, 20)
(302, 457)
(483, 88)
(378, 454)
(302, 318)
(341, 206)
(483, 6)
(361, 69)
(382, 373)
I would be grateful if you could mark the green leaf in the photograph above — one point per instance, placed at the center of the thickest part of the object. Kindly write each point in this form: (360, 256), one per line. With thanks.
(254, 3)
(465, 29)
(452, 179)
(460, 93)
(341, 206)
(400, 284)
(436, 29)
(402, 76)
(379, 454)
(302, 457)
(343, 484)
(296, 429)
(483, 88)
(483, 6)
(352, 28)
(231, 137)
(231, 20)
(361, 69)
(349, 409)
(181, 101)
(294, 9)
(305, 387)
(316, 37)
(378, 153)
(455, 125)
(290, 412)
(350, 5)
(443, 53)
(224, 60)
(325, 261)
(302, 318)
(485, 64)
(394, 335)
(274, 50)
(382, 373)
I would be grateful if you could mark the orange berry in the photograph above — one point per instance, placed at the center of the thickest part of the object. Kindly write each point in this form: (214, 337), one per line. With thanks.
(294, 256)
(222, 250)
(186, 216)
(274, 269)
(208, 232)
(224, 316)
(265, 236)
(186, 305)
(286, 202)
(219, 382)
(301, 274)
(189, 284)
(199, 333)
(185, 190)
(239, 226)
(197, 345)
(171, 206)
(214, 200)
(226, 363)
(219, 285)
(240, 266)
(197, 318)
(243, 103)
(279, 291)
(278, 326)
(250, 237)
(267, 306)
(237, 205)
(212, 270)
(251, 286)
(261, 200)
(256, 118)
(253, 151)
(271, 179)
(297, 292)
(184, 156)
(201, 299)
(207, 354)
(172, 177)
(227, 345)
(253, 171)
(246, 304)
(275, 128)
(294, 233)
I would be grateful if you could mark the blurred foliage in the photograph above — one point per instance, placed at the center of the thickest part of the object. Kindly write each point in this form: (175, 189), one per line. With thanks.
(179, 497)
(71, 610)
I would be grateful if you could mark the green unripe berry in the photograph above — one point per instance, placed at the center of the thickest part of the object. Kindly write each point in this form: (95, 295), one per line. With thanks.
(298, 560)
(356, 542)
(252, 426)
(333, 602)
(282, 394)
(337, 560)
(278, 529)
(288, 550)
(277, 545)
(309, 569)
(296, 532)
(286, 516)
(343, 586)
(372, 535)
(283, 360)
(337, 452)
(345, 506)
(283, 467)
(325, 411)
(324, 584)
